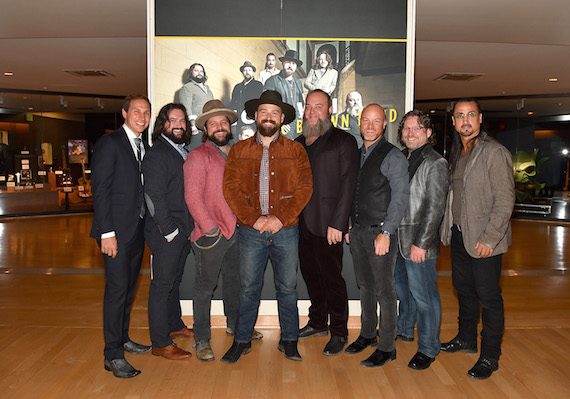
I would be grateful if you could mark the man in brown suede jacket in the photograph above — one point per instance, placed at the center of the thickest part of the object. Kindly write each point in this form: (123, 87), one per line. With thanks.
(267, 183)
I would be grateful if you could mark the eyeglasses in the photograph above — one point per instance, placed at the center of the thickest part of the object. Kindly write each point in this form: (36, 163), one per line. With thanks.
(415, 129)
(470, 115)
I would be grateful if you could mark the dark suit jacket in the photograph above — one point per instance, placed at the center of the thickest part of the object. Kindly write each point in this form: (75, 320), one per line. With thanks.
(164, 194)
(335, 165)
(116, 186)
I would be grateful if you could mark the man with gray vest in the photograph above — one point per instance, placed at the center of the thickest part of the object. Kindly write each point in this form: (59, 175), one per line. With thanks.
(380, 201)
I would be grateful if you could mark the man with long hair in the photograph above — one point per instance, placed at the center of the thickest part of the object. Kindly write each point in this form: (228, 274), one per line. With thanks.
(167, 229)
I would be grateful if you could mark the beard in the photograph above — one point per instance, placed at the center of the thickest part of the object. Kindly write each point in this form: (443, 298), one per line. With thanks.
(267, 131)
(198, 80)
(318, 129)
(353, 111)
(220, 142)
(184, 139)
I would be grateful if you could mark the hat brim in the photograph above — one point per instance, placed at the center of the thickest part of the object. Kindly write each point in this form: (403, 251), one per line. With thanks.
(288, 110)
(228, 113)
(297, 61)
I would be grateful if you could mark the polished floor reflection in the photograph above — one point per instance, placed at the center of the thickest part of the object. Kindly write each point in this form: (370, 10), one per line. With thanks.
(51, 285)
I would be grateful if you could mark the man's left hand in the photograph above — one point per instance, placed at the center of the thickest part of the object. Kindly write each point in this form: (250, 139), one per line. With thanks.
(483, 251)
(381, 245)
(334, 236)
(417, 255)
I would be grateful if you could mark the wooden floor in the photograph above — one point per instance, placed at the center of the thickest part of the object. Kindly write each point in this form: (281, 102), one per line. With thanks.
(51, 340)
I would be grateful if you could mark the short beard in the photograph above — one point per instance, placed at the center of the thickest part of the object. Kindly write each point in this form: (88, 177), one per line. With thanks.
(198, 80)
(185, 139)
(320, 128)
(267, 131)
(224, 141)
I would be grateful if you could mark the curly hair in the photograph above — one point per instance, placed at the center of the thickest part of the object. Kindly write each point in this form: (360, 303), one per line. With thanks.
(423, 119)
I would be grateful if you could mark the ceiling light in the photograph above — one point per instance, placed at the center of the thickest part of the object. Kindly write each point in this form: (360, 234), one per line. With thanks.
(553, 80)
(432, 111)
(88, 72)
(530, 113)
(8, 73)
(457, 76)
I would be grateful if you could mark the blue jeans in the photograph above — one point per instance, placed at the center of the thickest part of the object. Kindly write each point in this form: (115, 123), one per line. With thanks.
(375, 279)
(419, 298)
(254, 250)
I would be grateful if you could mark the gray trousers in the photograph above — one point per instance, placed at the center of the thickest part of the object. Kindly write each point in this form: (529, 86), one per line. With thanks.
(222, 257)
(375, 279)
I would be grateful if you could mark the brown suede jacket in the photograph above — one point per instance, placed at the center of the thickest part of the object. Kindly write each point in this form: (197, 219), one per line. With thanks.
(290, 180)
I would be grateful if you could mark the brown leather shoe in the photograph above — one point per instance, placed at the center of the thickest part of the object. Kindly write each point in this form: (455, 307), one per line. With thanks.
(171, 352)
(185, 332)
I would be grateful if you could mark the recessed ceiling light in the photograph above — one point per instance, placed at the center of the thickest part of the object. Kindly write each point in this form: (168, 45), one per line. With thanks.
(553, 80)
(8, 73)
(432, 111)
(30, 108)
(530, 113)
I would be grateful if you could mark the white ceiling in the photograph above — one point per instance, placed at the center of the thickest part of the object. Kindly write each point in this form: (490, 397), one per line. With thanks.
(516, 44)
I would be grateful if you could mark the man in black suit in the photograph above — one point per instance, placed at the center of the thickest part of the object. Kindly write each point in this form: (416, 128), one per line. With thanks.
(118, 227)
(334, 161)
(167, 229)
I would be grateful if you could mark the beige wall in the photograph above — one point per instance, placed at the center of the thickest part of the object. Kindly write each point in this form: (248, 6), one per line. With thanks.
(221, 59)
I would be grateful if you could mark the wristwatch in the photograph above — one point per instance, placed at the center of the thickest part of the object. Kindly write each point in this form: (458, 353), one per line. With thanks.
(385, 233)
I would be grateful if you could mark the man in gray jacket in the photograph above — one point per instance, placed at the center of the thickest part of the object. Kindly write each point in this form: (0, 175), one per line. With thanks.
(419, 239)
(477, 224)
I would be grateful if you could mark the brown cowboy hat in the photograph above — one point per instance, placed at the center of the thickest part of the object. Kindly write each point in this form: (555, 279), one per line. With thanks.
(270, 97)
(215, 108)
(247, 64)
(291, 55)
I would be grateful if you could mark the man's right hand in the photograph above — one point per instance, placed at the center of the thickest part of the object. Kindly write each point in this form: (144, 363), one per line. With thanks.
(109, 246)
(260, 223)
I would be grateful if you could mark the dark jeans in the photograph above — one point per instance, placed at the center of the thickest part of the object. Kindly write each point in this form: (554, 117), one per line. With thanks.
(254, 250)
(321, 266)
(164, 313)
(477, 284)
(222, 257)
(121, 277)
(375, 278)
(419, 299)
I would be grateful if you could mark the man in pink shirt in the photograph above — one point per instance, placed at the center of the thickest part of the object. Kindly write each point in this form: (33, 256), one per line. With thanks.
(213, 239)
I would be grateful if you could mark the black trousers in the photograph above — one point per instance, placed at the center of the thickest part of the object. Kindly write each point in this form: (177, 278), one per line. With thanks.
(321, 267)
(164, 312)
(477, 283)
(121, 277)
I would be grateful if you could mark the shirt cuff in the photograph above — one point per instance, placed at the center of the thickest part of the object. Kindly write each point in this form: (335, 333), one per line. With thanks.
(172, 235)
(108, 234)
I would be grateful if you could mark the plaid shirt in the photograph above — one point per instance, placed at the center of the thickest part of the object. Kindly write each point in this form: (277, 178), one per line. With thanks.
(264, 177)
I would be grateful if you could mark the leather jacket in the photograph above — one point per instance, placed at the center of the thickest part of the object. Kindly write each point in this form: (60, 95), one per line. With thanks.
(422, 220)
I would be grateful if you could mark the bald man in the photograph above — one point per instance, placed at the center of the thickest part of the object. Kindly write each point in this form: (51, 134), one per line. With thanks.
(380, 201)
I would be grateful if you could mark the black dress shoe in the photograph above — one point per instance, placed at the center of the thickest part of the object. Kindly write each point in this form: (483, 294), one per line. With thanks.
(483, 368)
(420, 361)
(309, 331)
(121, 368)
(234, 353)
(136, 349)
(289, 349)
(379, 358)
(335, 345)
(404, 338)
(360, 344)
(456, 345)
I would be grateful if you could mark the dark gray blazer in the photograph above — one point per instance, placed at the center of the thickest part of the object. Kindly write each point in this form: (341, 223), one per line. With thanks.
(164, 193)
